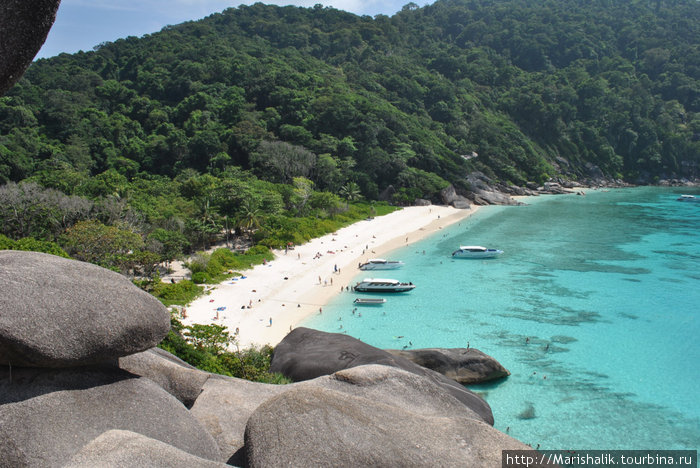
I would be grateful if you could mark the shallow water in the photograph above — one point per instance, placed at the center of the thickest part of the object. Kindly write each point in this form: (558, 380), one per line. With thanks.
(600, 294)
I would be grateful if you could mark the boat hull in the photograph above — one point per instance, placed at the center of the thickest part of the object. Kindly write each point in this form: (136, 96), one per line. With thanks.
(384, 265)
(369, 301)
(380, 267)
(487, 254)
(382, 285)
(475, 251)
(384, 289)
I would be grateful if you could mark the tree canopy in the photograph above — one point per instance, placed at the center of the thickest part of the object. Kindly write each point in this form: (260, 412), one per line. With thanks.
(251, 117)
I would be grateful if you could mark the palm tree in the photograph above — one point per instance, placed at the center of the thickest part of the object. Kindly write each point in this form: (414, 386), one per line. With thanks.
(350, 191)
(249, 217)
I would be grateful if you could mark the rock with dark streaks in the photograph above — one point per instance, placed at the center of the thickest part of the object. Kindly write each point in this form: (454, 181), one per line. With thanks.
(466, 366)
(305, 354)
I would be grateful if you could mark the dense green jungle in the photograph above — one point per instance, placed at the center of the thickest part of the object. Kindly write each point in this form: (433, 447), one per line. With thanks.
(265, 125)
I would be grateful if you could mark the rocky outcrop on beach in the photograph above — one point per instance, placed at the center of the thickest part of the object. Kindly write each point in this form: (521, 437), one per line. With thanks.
(484, 191)
(466, 366)
(449, 196)
(85, 387)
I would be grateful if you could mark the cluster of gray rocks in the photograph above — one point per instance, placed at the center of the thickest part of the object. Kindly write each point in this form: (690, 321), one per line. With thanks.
(83, 385)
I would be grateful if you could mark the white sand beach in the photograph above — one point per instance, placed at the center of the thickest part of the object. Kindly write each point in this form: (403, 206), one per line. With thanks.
(273, 298)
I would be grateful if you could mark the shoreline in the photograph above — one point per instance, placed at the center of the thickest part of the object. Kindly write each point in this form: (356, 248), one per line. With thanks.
(273, 298)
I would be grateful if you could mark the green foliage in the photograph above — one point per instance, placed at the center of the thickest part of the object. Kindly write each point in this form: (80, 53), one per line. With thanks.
(258, 121)
(109, 246)
(175, 343)
(519, 83)
(279, 231)
(212, 338)
(168, 244)
(182, 292)
(32, 245)
(222, 263)
(208, 347)
(421, 184)
(200, 277)
(28, 210)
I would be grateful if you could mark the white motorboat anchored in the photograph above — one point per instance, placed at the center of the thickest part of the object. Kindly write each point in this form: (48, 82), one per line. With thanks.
(369, 301)
(475, 251)
(688, 198)
(380, 264)
(383, 285)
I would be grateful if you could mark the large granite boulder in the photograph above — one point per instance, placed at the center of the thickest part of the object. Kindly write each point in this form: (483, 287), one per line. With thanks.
(449, 196)
(466, 366)
(224, 407)
(171, 373)
(48, 415)
(371, 416)
(24, 26)
(396, 387)
(485, 192)
(305, 354)
(56, 312)
(125, 449)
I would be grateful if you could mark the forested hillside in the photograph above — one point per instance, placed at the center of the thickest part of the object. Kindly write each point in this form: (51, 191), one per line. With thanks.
(262, 114)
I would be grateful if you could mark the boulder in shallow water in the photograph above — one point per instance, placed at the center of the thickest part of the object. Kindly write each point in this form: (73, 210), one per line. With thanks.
(56, 312)
(306, 354)
(125, 449)
(48, 415)
(466, 366)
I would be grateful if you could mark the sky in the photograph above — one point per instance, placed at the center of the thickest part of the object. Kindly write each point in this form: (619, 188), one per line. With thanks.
(83, 24)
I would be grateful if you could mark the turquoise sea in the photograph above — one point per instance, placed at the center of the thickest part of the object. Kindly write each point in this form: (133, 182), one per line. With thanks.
(594, 308)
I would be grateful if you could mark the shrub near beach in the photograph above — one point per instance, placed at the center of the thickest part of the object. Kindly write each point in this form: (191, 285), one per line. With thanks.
(221, 264)
(207, 347)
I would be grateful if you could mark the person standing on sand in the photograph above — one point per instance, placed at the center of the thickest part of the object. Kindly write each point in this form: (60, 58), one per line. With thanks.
(270, 321)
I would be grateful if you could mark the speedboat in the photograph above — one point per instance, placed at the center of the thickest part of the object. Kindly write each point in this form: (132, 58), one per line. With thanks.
(475, 251)
(369, 301)
(383, 285)
(381, 264)
(688, 198)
